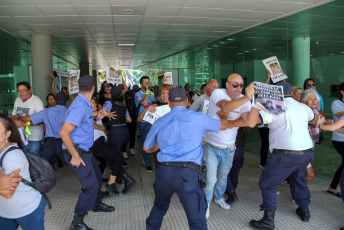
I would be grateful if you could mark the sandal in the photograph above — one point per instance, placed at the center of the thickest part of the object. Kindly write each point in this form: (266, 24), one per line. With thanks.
(336, 194)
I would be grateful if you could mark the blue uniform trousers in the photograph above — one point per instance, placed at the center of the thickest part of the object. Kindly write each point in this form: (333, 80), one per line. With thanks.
(238, 161)
(280, 166)
(52, 149)
(184, 182)
(90, 179)
(342, 185)
(144, 128)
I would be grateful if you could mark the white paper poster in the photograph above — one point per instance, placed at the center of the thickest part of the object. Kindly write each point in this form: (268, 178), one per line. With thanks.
(160, 111)
(167, 78)
(73, 84)
(112, 76)
(273, 66)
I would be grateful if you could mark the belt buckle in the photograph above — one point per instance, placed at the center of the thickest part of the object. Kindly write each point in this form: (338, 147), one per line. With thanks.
(184, 164)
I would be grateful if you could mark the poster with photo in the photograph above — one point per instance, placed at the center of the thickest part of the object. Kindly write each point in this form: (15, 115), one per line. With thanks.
(167, 78)
(160, 111)
(269, 98)
(112, 76)
(273, 66)
(73, 85)
(61, 73)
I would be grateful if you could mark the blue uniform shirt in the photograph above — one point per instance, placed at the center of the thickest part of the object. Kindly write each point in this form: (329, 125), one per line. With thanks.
(179, 135)
(53, 118)
(139, 96)
(80, 114)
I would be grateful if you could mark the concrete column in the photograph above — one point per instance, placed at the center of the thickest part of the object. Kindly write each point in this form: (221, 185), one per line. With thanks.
(84, 68)
(42, 65)
(301, 60)
(95, 75)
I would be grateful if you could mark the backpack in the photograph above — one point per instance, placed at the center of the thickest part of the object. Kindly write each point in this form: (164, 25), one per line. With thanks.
(130, 103)
(41, 173)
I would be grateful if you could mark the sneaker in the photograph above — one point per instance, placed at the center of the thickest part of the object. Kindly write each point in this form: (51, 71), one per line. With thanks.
(125, 155)
(132, 152)
(149, 169)
(222, 203)
(278, 192)
(262, 166)
(207, 213)
(125, 164)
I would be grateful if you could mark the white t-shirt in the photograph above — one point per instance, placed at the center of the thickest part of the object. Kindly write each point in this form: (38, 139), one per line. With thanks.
(31, 106)
(337, 107)
(99, 133)
(25, 199)
(289, 130)
(199, 103)
(228, 136)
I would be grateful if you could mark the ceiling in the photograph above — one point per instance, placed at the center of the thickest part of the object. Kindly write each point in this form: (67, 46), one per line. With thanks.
(90, 30)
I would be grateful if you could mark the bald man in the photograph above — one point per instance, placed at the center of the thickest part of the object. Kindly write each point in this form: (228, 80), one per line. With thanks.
(219, 148)
(202, 102)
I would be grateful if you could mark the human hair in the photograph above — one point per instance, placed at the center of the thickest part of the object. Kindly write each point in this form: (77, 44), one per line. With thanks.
(24, 83)
(308, 92)
(341, 88)
(186, 84)
(306, 82)
(102, 88)
(50, 94)
(166, 87)
(11, 126)
(203, 86)
(64, 88)
(294, 89)
(142, 78)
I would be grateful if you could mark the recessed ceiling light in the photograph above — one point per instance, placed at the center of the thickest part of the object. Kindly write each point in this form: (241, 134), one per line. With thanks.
(128, 11)
(342, 52)
(230, 39)
(125, 44)
(331, 54)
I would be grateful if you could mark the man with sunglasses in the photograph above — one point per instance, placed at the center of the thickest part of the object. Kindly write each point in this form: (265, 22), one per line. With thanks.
(219, 148)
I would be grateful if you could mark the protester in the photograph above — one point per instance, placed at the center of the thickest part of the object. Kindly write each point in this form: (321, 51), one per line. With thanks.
(143, 99)
(189, 93)
(198, 104)
(178, 135)
(296, 92)
(9, 183)
(77, 137)
(26, 207)
(309, 83)
(51, 100)
(28, 104)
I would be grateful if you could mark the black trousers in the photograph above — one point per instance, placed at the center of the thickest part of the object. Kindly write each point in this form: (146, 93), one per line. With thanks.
(132, 131)
(118, 136)
(339, 146)
(264, 146)
(113, 158)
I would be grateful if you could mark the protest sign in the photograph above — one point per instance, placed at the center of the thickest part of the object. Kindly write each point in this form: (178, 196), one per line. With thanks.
(73, 85)
(273, 66)
(167, 79)
(160, 112)
(269, 98)
(112, 76)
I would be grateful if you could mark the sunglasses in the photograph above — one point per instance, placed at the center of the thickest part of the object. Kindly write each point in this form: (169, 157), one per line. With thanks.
(312, 84)
(236, 85)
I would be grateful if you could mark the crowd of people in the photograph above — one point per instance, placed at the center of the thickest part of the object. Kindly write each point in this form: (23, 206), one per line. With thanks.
(89, 132)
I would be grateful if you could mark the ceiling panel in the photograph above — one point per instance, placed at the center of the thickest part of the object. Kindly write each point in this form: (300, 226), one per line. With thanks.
(57, 10)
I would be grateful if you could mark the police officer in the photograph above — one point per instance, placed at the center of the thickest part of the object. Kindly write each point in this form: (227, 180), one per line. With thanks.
(178, 135)
(292, 150)
(53, 118)
(77, 137)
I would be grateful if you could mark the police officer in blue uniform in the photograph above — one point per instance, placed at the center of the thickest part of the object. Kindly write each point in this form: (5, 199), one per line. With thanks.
(178, 135)
(77, 137)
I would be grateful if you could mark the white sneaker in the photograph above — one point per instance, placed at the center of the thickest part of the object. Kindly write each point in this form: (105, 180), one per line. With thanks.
(222, 203)
(207, 213)
(125, 155)
(132, 151)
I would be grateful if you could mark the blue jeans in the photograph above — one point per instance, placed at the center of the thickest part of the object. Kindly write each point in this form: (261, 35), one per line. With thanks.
(219, 163)
(144, 128)
(33, 221)
(34, 147)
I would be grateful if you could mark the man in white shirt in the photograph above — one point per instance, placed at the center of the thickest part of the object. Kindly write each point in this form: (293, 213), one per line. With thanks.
(292, 150)
(219, 148)
(202, 102)
(28, 104)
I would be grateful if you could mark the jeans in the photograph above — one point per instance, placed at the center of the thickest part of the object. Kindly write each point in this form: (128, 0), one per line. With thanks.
(34, 147)
(33, 221)
(219, 163)
(144, 128)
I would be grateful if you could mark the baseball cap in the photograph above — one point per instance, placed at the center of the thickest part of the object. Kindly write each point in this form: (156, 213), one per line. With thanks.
(286, 87)
(86, 83)
(177, 95)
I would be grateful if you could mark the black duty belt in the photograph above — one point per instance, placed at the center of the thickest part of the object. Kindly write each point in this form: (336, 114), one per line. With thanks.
(285, 151)
(52, 138)
(182, 164)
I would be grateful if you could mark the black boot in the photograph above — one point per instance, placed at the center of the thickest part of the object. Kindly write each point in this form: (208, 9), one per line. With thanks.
(78, 223)
(267, 222)
(101, 207)
(304, 214)
(232, 197)
(112, 188)
(119, 180)
(128, 182)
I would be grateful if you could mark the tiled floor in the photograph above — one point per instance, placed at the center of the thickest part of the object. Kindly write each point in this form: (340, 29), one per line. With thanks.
(132, 209)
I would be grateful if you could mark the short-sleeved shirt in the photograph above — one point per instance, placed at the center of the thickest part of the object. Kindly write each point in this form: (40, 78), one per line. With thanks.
(337, 107)
(139, 96)
(80, 114)
(25, 199)
(179, 135)
(228, 136)
(31, 106)
(99, 133)
(53, 118)
(198, 103)
(289, 130)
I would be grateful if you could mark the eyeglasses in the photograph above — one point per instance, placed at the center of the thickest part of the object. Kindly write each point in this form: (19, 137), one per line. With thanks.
(236, 85)
(312, 84)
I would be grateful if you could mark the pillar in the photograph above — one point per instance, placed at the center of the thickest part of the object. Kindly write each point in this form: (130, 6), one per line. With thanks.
(95, 75)
(84, 68)
(301, 60)
(42, 65)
